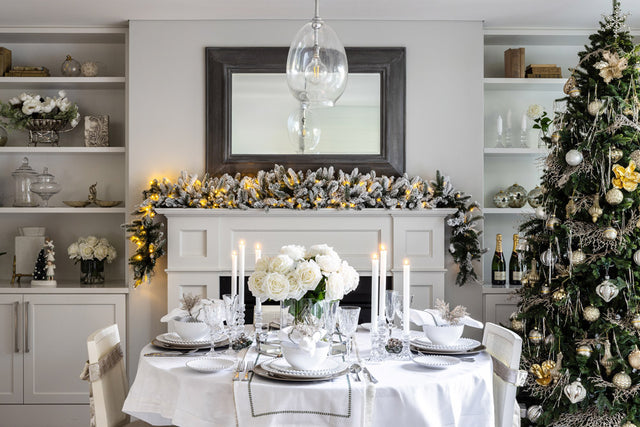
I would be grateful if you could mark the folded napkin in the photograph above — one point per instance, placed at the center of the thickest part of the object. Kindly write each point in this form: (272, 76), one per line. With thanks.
(177, 312)
(432, 317)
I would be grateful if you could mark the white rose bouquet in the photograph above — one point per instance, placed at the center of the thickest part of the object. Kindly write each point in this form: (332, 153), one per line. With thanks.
(92, 247)
(19, 110)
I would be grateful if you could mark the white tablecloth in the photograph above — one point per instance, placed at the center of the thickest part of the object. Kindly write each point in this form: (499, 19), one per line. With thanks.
(165, 392)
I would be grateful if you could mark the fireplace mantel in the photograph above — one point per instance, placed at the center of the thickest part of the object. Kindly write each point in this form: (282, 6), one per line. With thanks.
(200, 242)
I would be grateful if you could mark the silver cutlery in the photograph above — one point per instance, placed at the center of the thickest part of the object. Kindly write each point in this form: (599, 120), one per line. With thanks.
(239, 368)
(369, 375)
(190, 353)
(355, 370)
(248, 369)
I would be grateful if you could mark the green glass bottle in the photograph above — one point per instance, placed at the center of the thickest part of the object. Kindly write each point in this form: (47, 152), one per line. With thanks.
(498, 265)
(515, 265)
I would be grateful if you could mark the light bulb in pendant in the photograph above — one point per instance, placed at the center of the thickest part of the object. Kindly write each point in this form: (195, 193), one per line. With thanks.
(304, 133)
(316, 71)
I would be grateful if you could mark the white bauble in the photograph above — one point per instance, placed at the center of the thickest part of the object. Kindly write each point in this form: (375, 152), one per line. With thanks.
(594, 107)
(607, 290)
(634, 358)
(635, 322)
(573, 157)
(610, 233)
(535, 336)
(584, 350)
(591, 313)
(614, 197)
(575, 391)
(534, 412)
(540, 213)
(636, 257)
(578, 257)
(635, 156)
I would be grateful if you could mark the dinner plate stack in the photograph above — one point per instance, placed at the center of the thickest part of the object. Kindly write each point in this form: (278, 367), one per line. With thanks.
(279, 369)
(171, 340)
(464, 346)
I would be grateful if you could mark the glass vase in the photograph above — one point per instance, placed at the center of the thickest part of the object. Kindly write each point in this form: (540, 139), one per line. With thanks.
(92, 272)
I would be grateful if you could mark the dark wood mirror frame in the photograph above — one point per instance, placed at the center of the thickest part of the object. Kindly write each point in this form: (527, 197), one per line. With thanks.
(221, 63)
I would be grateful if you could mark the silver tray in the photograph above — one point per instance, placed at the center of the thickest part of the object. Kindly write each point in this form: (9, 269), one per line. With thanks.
(261, 372)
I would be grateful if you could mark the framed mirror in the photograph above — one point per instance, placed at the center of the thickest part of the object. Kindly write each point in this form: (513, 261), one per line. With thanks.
(248, 105)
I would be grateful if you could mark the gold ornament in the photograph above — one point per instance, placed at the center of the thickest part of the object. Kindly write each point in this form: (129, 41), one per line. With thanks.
(584, 350)
(559, 295)
(610, 233)
(517, 325)
(535, 336)
(569, 84)
(634, 358)
(545, 290)
(614, 197)
(595, 107)
(543, 372)
(571, 208)
(595, 210)
(622, 380)
(612, 66)
(635, 156)
(591, 313)
(626, 178)
(635, 322)
(615, 154)
(578, 257)
(607, 359)
(556, 371)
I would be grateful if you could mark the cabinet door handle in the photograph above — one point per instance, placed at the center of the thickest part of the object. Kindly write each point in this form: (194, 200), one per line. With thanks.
(16, 329)
(26, 327)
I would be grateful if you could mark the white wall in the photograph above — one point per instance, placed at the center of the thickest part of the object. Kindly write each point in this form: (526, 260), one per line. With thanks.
(167, 113)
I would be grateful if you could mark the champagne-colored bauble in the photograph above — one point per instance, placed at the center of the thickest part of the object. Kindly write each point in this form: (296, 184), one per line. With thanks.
(534, 412)
(636, 257)
(535, 197)
(575, 391)
(555, 137)
(540, 213)
(548, 258)
(607, 290)
(578, 257)
(568, 85)
(584, 350)
(552, 222)
(573, 157)
(574, 93)
(591, 313)
(517, 325)
(635, 322)
(535, 336)
(545, 290)
(622, 380)
(595, 210)
(610, 233)
(517, 196)
(628, 424)
(635, 156)
(501, 199)
(615, 154)
(559, 295)
(634, 358)
(614, 196)
(607, 358)
(595, 107)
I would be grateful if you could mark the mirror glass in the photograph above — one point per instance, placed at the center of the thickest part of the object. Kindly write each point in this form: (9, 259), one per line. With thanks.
(262, 104)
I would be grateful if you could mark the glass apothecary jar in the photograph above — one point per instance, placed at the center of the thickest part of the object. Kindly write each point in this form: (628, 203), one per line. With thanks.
(45, 186)
(23, 177)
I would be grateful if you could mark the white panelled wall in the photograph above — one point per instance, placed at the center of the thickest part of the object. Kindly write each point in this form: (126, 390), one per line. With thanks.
(444, 118)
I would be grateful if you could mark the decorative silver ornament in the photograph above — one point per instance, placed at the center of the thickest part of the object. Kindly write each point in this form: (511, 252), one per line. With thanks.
(607, 290)
(615, 154)
(635, 156)
(584, 350)
(591, 313)
(573, 157)
(610, 233)
(517, 325)
(574, 92)
(535, 336)
(517, 196)
(595, 107)
(635, 322)
(548, 258)
(622, 380)
(614, 196)
(540, 213)
(578, 257)
(552, 222)
(545, 290)
(501, 199)
(534, 412)
(575, 391)
(636, 257)
(634, 358)
(535, 197)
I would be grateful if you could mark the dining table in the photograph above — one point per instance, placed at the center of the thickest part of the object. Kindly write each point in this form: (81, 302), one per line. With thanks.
(166, 392)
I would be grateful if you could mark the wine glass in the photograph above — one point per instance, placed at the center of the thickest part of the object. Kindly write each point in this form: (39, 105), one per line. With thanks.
(390, 302)
(348, 323)
(399, 304)
(213, 317)
(230, 311)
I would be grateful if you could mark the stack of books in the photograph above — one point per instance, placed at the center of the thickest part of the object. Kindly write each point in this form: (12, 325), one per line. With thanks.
(5, 60)
(20, 71)
(543, 71)
(514, 63)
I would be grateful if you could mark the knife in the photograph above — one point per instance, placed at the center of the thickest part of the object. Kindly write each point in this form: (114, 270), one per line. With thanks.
(167, 354)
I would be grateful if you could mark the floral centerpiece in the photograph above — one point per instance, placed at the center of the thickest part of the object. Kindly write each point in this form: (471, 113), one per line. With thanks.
(92, 252)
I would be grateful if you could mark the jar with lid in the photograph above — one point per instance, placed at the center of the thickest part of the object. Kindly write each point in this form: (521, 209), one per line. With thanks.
(23, 177)
(45, 186)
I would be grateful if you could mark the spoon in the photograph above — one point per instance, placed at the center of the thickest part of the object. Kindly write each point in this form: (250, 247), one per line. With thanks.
(355, 370)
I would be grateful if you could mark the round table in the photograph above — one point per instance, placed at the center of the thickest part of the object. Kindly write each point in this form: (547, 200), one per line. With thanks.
(165, 392)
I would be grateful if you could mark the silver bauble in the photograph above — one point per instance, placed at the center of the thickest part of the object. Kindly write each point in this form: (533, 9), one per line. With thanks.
(636, 257)
(573, 157)
(578, 257)
(584, 350)
(575, 391)
(535, 197)
(501, 199)
(622, 380)
(548, 258)
(635, 322)
(517, 196)
(574, 93)
(610, 233)
(614, 196)
(552, 222)
(540, 212)
(595, 107)
(535, 336)
(545, 290)
(534, 412)
(615, 154)
(591, 313)
(607, 290)
(635, 156)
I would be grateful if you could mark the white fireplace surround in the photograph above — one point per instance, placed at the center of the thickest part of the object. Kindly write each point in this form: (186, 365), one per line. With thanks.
(200, 243)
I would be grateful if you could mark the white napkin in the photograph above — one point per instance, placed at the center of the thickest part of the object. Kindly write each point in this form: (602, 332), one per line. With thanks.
(178, 312)
(426, 317)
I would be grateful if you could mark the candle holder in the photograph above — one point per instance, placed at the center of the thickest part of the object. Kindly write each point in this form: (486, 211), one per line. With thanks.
(239, 340)
(378, 353)
(258, 325)
(405, 353)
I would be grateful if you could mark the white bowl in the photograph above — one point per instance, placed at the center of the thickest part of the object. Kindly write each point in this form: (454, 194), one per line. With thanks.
(302, 360)
(190, 331)
(443, 334)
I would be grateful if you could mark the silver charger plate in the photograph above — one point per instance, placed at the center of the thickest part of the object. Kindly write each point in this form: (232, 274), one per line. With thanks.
(261, 372)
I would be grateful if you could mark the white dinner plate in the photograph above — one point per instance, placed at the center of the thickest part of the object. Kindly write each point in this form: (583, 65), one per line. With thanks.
(173, 338)
(327, 368)
(436, 362)
(209, 364)
(463, 344)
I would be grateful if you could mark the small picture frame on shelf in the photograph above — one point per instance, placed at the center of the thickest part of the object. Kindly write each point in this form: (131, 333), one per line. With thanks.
(96, 131)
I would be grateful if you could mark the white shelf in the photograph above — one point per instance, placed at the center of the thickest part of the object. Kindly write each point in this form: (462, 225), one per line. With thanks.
(64, 35)
(63, 150)
(508, 211)
(63, 82)
(501, 83)
(492, 151)
(62, 210)
(540, 36)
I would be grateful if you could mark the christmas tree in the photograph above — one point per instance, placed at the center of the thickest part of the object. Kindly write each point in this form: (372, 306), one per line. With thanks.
(579, 315)
(40, 270)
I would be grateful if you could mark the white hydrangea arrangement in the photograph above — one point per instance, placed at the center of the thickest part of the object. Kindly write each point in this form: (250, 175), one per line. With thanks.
(24, 107)
(296, 272)
(92, 247)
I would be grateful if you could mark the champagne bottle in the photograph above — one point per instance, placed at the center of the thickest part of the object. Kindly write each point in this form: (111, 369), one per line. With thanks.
(498, 265)
(515, 265)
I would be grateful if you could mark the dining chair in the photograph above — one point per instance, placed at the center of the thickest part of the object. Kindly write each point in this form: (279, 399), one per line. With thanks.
(505, 347)
(107, 377)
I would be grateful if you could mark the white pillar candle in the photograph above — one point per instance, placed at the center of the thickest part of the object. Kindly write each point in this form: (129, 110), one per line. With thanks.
(241, 274)
(523, 125)
(234, 271)
(499, 126)
(509, 119)
(375, 265)
(406, 294)
(383, 280)
(258, 256)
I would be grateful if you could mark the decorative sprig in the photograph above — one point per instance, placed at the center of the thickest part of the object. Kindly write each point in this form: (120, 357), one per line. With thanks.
(189, 303)
(452, 317)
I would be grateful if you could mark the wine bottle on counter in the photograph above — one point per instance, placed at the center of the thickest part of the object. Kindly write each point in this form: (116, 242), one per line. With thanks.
(515, 265)
(498, 265)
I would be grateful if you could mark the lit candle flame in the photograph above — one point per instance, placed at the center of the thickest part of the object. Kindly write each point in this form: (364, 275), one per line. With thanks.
(406, 261)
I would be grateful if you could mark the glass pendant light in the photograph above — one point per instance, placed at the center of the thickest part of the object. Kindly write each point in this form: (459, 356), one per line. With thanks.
(317, 67)
(304, 131)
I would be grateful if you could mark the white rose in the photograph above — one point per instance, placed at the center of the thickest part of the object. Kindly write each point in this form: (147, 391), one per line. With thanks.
(85, 250)
(534, 111)
(92, 240)
(296, 291)
(335, 287)
(74, 123)
(24, 97)
(48, 105)
(262, 264)
(111, 255)
(294, 252)
(14, 101)
(281, 264)
(29, 107)
(62, 94)
(328, 263)
(276, 286)
(308, 275)
(63, 104)
(101, 251)
(256, 283)
(73, 251)
(349, 276)
(318, 250)
(103, 241)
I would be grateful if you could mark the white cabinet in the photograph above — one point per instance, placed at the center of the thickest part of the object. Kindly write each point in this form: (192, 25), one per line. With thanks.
(498, 304)
(11, 346)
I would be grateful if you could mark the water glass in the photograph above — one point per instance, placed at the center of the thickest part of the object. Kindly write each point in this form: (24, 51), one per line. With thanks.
(390, 303)
(213, 317)
(348, 323)
(230, 315)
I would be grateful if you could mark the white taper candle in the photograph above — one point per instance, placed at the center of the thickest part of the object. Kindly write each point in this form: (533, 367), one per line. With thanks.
(241, 274)
(375, 265)
(383, 280)
(499, 126)
(406, 295)
(234, 271)
(258, 256)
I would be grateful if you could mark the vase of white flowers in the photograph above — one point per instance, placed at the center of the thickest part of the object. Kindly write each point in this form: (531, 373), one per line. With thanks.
(92, 252)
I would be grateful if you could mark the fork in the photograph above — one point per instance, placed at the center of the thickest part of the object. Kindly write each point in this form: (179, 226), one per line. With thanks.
(239, 369)
(249, 368)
